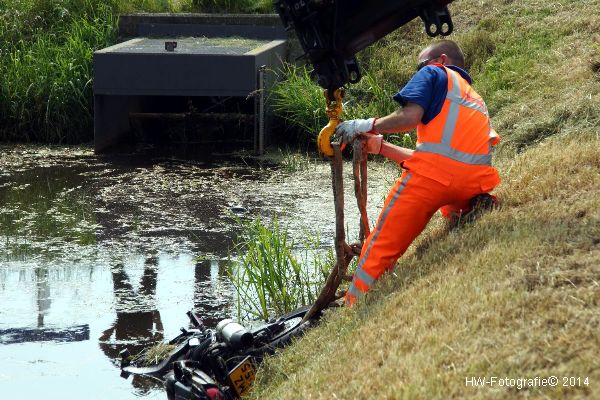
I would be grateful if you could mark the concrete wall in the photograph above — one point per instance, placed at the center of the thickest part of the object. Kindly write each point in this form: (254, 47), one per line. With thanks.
(125, 80)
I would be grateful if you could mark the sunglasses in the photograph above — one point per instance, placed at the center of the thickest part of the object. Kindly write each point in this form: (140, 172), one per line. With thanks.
(425, 62)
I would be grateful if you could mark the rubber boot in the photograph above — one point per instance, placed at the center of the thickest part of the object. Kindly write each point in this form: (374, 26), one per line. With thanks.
(479, 205)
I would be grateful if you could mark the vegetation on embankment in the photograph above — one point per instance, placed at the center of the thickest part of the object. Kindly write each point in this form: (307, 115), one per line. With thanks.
(271, 276)
(46, 49)
(515, 294)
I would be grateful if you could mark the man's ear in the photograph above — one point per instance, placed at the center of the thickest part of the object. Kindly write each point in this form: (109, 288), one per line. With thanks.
(445, 59)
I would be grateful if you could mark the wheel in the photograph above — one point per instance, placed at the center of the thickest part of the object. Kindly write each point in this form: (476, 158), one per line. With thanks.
(294, 327)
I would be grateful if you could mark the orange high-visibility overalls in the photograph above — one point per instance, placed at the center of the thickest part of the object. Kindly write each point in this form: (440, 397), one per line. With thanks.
(451, 165)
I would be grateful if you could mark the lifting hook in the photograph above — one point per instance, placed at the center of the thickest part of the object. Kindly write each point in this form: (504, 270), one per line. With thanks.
(334, 111)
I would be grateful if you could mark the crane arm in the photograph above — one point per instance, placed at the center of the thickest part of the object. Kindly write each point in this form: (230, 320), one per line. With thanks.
(331, 32)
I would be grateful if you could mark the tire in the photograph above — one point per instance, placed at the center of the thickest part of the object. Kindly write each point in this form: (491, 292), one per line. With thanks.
(284, 338)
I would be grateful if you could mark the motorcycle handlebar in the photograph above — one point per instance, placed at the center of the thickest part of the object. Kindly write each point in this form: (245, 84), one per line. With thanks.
(195, 321)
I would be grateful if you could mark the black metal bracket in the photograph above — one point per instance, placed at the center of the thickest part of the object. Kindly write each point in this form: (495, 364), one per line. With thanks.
(437, 21)
(331, 32)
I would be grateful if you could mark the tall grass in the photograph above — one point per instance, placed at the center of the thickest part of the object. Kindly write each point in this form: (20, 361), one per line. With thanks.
(231, 6)
(301, 103)
(47, 80)
(268, 276)
(45, 68)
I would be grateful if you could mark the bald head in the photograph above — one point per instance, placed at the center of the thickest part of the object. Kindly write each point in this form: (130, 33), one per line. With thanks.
(452, 51)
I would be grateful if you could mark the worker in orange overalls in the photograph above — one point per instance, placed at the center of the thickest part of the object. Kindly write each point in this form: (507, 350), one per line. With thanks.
(449, 170)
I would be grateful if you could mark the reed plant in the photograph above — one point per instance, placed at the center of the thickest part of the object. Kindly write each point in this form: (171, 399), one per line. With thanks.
(46, 69)
(295, 161)
(299, 101)
(268, 276)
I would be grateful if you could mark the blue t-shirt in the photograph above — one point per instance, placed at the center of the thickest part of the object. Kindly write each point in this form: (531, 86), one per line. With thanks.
(428, 88)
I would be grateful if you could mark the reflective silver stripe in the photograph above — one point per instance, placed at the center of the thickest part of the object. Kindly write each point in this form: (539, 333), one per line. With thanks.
(444, 150)
(455, 95)
(363, 276)
(354, 291)
(455, 91)
(382, 221)
(452, 118)
(461, 101)
(450, 125)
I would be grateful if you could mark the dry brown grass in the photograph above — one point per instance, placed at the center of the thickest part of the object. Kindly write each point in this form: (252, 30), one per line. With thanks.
(154, 355)
(517, 293)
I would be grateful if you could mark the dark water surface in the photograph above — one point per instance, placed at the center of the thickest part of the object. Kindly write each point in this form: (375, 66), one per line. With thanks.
(101, 253)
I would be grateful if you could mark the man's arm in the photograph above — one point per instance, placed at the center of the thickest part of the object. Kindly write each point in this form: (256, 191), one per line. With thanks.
(395, 153)
(402, 120)
(376, 145)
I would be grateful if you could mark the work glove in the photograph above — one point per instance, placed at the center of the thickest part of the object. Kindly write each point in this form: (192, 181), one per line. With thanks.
(374, 144)
(348, 130)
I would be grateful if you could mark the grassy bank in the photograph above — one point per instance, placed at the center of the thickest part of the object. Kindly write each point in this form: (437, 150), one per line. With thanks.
(517, 293)
(46, 49)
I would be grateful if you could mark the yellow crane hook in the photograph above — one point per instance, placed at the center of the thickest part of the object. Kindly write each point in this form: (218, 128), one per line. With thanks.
(334, 111)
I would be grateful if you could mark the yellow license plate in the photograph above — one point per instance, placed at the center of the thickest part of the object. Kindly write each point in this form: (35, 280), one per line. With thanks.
(242, 376)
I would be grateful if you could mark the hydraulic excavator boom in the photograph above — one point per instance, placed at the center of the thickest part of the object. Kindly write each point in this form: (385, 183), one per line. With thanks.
(331, 32)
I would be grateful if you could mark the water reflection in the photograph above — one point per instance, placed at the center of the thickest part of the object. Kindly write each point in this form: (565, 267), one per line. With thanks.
(211, 297)
(73, 333)
(138, 321)
(94, 247)
(43, 294)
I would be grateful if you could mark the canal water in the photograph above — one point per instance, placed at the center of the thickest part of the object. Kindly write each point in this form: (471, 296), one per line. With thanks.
(99, 253)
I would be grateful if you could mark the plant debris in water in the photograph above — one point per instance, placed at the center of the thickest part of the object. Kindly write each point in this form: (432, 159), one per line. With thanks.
(59, 198)
(152, 355)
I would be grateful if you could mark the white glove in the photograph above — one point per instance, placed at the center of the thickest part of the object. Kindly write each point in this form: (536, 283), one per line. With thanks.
(349, 129)
(374, 144)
